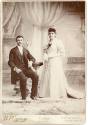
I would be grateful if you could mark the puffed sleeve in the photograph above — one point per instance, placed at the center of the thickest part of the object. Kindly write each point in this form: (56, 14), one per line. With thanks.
(60, 48)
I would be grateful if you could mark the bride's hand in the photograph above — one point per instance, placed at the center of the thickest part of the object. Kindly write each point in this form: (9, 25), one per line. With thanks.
(45, 57)
(45, 64)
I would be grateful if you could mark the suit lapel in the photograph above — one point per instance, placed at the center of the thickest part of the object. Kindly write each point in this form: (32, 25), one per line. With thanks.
(18, 53)
(24, 53)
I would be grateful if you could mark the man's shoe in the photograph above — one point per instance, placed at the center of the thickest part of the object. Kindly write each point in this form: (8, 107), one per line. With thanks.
(33, 97)
(23, 98)
(27, 92)
(17, 90)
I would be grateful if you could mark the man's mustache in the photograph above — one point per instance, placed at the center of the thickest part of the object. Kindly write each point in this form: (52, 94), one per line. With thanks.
(20, 43)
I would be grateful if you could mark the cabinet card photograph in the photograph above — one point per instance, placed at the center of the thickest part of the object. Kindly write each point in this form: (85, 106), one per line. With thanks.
(43, 62)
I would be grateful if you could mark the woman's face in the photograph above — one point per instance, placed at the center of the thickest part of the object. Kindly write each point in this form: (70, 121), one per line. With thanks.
(51, 35)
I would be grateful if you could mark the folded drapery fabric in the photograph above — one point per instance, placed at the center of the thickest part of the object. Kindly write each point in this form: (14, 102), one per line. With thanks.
(42, 15)
(11, 19)
(36, 15)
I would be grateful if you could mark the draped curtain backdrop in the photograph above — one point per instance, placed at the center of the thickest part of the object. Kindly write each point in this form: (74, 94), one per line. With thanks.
(39, 15)
(42, 15)
(11, 19)
(32, 20)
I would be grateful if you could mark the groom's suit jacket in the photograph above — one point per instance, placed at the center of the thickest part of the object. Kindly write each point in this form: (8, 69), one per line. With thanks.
(18, 60)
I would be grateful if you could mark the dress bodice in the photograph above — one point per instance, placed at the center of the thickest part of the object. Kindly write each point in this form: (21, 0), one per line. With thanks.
(53, 50)
(56, 49)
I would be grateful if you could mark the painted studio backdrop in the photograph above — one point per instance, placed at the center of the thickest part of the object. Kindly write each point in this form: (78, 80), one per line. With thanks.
(32, 20)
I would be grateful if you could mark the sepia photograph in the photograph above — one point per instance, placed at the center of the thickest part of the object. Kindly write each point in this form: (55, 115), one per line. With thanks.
(43, 62)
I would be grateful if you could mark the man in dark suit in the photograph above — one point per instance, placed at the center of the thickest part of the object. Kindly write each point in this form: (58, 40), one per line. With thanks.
(18, 61)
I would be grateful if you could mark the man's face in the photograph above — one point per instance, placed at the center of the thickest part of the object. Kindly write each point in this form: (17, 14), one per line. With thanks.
(20, 41)
(52, 35)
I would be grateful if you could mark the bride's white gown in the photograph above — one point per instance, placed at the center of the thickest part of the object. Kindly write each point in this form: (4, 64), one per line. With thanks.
(53, 82)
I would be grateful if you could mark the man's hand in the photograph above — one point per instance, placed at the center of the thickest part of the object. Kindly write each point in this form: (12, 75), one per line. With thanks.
(30, 64)
(33, 69)
(17, 70)
(37, 64)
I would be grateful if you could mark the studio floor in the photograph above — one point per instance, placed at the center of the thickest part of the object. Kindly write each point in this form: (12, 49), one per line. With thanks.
(41, 106)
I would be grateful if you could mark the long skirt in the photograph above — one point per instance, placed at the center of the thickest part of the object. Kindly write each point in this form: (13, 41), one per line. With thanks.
(53, 83)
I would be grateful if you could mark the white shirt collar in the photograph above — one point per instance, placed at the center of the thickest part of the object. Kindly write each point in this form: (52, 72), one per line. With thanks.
(20, 49)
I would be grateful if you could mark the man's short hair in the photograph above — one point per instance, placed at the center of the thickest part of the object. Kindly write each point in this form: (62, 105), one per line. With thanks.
(51, 30)
(19, 36)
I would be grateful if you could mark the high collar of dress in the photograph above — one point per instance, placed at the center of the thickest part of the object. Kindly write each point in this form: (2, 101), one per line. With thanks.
(53, 41)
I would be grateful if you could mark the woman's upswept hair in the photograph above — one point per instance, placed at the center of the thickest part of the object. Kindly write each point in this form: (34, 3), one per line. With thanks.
(52, 30)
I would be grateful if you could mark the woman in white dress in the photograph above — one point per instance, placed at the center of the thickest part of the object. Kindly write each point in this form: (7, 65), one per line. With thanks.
(53, 83)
